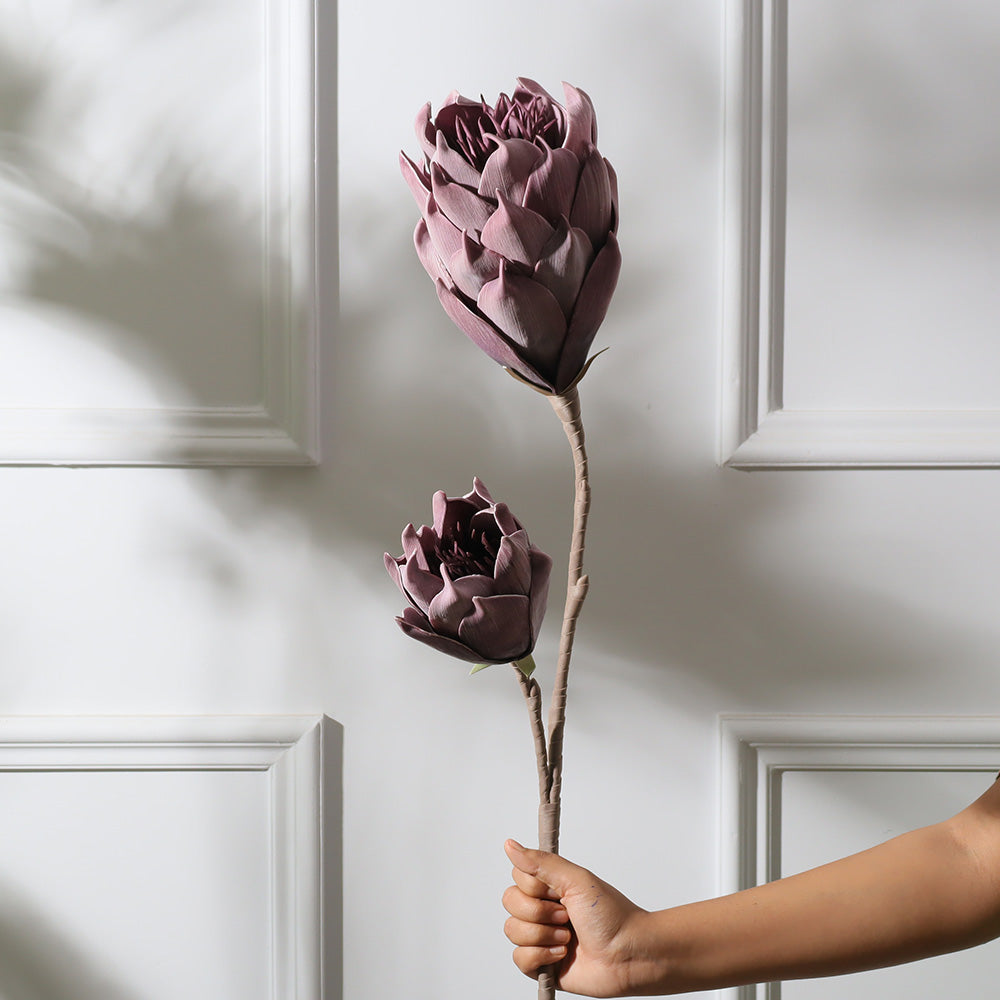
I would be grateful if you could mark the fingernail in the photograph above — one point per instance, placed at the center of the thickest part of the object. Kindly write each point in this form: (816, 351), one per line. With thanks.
(562, 935)
(515, 845)
(557, 952)
(560, 916)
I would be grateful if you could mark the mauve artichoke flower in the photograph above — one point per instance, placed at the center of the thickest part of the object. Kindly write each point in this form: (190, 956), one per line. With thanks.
(519, 214)
(476, 585)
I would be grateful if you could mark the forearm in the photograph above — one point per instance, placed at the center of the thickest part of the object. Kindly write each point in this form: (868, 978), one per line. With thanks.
(927, 892)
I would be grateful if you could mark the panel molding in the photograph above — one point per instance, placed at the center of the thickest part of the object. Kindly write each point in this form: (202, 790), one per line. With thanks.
(302, 757)
(757, 750)
(755, 430)
(282, 428)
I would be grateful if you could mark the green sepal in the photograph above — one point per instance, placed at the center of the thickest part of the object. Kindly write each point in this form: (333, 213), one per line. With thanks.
(478, 667)
(526, 665)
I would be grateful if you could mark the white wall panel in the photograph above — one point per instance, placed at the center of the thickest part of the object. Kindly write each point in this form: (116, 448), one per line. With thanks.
(156, 220)
(798, 792)
(154, 858)
(863, 225)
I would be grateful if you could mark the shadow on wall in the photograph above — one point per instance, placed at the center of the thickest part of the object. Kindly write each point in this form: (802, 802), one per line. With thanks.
(38, 963)
(410, 407)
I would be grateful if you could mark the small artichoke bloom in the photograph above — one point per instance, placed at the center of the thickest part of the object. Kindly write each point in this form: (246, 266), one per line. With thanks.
(519, 213)
(476, 585)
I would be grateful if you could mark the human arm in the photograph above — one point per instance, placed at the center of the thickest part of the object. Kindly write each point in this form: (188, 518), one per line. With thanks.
(930, 891)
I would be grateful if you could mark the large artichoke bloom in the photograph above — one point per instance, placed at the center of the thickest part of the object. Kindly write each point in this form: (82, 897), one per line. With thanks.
(519, 212)
(477, 587)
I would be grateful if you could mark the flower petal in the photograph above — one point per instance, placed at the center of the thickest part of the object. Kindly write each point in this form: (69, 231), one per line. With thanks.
(419, 585)
(529, 315)
(416, 626)
(613, 179)
(512, 572)
(418, 181)
(541, 570)
(487, 338)
(551, 188)
(592, 207)
(463, 208)
(499, 628)
(456, 166)
(472, 266)
(454, 602)
(516, 233)
(506, 521)
(563, 264)
(581, 127)
(479, 495)
(509, 167)
(424, 128)
(433, 264)
(591, 308)
(445, 237)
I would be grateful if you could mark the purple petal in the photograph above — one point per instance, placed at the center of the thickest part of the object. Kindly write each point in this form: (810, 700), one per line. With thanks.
(613, 179)
(416, 626)
(472, 266)
(433, 264)
(592, 208)
(456, 166)
(463, 208)
(528, 314)
(516, 233)
(454, 603)
(392, 564)
(418, 181)
(591, 308)
(413, 551)
(505, 519)
(419, 586)
(563, 265)
(541, 570)
(445, 237)
(532, 89)
(487, 338)
(499, 628)
(425, 130)
(581, 128)
(552, 187)
(479, 495)
(512, 572)
(509, 168)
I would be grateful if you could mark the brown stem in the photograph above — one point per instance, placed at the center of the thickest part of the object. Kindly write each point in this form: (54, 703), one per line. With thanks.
(533, 697)
(567, 407)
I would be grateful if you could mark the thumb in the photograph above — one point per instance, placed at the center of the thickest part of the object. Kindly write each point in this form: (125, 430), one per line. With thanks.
(554, 871)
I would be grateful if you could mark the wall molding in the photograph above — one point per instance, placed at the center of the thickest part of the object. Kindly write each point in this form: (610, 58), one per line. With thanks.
(282, 428)
(755, 430)
(302, 757)
(757, 750)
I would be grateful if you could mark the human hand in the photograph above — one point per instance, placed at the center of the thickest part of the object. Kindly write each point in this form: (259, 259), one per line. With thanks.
(565, 916)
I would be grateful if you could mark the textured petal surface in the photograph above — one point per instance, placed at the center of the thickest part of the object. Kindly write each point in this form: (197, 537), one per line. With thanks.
(512, 573)
(420, 586)
(417, 180)
(581, 129)
(591, 308)
(592, 205)
(465, 209)
(499, 627)
(516, 233)
(487, 338)
(445, 237)
(433, 264)
(456, 166)
(454, 602)
(425, 130)
(472, 266)
(563, 265)
(529, 315)
(541, 570)
(509, 168)
(552, 186)
(416, 626)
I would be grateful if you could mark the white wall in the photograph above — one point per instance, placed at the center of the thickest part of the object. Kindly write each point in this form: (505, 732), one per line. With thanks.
(232, 591)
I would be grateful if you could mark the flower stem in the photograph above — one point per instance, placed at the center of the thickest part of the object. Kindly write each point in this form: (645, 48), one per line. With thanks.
(567, 407)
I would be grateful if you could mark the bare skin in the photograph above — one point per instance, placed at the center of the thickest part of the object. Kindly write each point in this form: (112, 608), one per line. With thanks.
(930, 891)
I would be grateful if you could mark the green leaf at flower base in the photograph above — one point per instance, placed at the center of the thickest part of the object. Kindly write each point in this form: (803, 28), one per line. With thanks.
(478, 667)
(526, 665)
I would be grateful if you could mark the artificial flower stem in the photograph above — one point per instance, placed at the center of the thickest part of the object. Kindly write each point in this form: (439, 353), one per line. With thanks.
(567, 407)
(533, 698)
